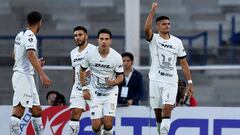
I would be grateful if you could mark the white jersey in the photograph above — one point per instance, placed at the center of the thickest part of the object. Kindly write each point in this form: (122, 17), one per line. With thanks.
(25, 40)
(76, 59)
(103, 68)
(164, 54)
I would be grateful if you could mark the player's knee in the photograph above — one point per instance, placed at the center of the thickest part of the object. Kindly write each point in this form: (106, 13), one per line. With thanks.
(167, 110)
(96, 129)
(36, 111)
(76, 113)
(108, 125)
(18, 111)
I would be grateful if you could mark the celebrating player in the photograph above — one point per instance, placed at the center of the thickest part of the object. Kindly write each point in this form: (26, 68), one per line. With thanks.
(106, 73)
(165, 49)
(77, 103)
(26, 61)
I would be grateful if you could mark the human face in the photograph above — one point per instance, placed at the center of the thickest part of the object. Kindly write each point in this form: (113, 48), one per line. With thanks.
(80, 37)
(39, 25)
(52, 98)
(127, 63)
(163, 26)
(104, 41)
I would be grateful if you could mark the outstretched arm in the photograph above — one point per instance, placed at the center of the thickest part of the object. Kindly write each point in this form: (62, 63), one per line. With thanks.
(148, 23)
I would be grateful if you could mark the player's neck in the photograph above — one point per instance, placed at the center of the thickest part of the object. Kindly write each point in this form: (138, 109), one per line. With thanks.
(103, 52)
(165, 36)
(33, 29)
(81, 48)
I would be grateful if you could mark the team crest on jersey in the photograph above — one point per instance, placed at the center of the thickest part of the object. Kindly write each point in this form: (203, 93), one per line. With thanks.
(30, 40)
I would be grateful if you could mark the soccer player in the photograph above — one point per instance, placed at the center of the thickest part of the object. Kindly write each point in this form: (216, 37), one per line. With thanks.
(165, 50)
(77, 103)
(106, 73)
(26, 61)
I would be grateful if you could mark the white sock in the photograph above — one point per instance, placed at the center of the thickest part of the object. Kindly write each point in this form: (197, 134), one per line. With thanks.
(158, 127)
(37, 125)
(15, 126)
(107, 132)
(73, 127)
(165, 125)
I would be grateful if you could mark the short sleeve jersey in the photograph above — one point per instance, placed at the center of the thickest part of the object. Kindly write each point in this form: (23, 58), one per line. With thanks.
(164, 55)
(103, 68)
(24, 41)
(77, 57)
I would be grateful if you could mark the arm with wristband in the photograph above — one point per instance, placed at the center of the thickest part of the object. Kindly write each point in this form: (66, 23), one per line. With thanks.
(187, 75)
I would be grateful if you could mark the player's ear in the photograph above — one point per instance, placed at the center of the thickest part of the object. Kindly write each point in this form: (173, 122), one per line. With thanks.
(110, 41)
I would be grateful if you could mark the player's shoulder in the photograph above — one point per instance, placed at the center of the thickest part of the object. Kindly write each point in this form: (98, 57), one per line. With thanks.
(174, 38)
(91, 52)
(28, 33)
(74, 50)
(91, 46)
(29, 36)
(114, 53)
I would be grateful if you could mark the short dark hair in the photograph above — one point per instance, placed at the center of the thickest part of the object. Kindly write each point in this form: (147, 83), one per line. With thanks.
(104, 30)
(60, 99)
(34, 17)
(160, 18)
(80, 28)
(128, 54)
(51, 92)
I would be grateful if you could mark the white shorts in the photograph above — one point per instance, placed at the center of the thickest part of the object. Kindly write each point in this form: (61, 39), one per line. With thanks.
(162, 93)
(25, 91)
(76, 99)
(101, 106)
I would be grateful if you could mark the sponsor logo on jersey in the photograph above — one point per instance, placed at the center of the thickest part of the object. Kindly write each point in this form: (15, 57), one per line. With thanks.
(165, 74)
(102, 65)
(166, 45)
(78, 59)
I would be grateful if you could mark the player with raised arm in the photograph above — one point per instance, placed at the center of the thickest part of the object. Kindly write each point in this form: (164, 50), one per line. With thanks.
(26, 61)
(77, 102)
(106, 73)
(165, 50)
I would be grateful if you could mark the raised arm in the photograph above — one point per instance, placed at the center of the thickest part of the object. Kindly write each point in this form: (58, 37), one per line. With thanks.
(149, 20)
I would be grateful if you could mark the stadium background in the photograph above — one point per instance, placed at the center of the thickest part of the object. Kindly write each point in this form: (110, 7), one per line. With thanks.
(209, 29)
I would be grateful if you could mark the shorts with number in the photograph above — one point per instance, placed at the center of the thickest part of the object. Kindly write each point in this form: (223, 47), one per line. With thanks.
(101, 106)
(162, 93)
(25, 91)
(76, 98)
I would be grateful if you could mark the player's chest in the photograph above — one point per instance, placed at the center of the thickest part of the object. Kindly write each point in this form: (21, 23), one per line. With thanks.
(77, 59)
(102, 64)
